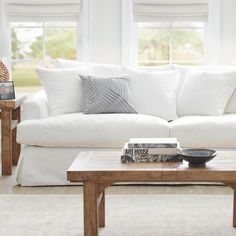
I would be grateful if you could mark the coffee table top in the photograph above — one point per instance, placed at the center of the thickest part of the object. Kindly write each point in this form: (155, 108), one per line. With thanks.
(103, 166)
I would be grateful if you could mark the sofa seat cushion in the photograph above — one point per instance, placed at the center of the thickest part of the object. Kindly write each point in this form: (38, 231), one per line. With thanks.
(205, 131)
(95, 130)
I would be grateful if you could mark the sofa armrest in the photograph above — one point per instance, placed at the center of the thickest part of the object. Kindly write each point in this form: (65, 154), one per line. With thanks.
(35, 107)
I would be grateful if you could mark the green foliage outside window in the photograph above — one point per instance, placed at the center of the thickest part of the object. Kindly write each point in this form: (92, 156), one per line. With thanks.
(163, 44)
(32, 47)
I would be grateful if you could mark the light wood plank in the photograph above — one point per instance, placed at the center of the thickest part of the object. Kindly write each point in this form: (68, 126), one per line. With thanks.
(10, 117)
(106, 167)
(16, 147)
(90, 209)
(13, 103)
(102, 186)
(6, 142)
(101, 210)
(234, 209)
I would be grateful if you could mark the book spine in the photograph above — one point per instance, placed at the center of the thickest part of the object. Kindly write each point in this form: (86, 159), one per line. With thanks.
(150, 158)
(133, 151)
(152, 145)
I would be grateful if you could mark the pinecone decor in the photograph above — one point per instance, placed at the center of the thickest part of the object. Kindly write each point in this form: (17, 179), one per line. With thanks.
(4, 74)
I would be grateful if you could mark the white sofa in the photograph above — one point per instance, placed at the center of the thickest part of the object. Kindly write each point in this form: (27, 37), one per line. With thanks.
(51, 143)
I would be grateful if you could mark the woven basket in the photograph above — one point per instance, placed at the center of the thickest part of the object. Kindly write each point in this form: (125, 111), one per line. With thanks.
(4, 74)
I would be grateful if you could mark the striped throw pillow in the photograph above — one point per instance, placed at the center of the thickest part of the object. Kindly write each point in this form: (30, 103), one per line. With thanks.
(107, 95)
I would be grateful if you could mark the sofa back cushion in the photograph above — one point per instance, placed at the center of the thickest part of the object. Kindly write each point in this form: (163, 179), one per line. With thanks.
(63, 88)
(154, 93)
(98, 70)
(205, 93)
(105, 70)
(231, 105)
(66, 63)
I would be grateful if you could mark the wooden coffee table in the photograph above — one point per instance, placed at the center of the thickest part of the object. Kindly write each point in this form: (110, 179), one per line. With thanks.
(98, 170)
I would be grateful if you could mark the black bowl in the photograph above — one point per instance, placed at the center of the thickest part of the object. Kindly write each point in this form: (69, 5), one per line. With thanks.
(197, 157)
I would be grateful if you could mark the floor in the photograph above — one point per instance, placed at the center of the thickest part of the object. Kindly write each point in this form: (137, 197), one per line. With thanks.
(8, 186)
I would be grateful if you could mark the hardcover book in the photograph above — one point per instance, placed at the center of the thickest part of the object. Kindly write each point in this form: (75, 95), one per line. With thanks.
(150, 158)
(153, 143)
(140, 151)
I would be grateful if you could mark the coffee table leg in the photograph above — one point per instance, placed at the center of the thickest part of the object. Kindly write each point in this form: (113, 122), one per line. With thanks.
(233, 186)
(90, 209)
(234, 209)
(101, 211)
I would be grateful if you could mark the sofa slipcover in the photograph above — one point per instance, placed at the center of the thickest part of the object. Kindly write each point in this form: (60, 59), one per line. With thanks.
(205, 131)
(95, 130)
(52, 143)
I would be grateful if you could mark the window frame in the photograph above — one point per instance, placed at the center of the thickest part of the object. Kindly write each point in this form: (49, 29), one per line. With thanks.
(170, 28)
(29, 63)
(212, 48)
(43, 26)
(83, 34)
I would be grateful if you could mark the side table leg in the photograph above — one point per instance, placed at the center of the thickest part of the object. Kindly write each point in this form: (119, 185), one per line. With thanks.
(16, 147)
(101, 211)
(6, 116)
(90, 209)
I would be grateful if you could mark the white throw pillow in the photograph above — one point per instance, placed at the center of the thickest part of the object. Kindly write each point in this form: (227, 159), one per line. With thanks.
(186, 69)
(63, 88)
(167, 67)
(205, 93)
(104, 70)
(231, 106)
(154, 93)
(98, 70)
(66, 63)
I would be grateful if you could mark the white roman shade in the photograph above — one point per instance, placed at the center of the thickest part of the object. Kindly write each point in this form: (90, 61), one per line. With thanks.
(42, 10)
(170, 10)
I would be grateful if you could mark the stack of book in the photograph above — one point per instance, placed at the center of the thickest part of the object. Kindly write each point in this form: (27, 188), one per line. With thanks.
(151, 150)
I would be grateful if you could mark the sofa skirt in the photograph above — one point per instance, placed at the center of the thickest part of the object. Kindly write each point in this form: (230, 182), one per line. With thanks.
(41, 166)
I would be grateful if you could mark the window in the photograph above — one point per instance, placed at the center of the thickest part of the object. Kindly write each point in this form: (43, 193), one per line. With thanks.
(164, 43)
(40, 44)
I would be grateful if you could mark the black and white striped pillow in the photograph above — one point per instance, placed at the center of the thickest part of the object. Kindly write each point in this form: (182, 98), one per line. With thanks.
(107, 95)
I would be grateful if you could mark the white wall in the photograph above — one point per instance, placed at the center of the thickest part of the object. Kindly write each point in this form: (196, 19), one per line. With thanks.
(105, 32)
(6, 61)
(228, 32)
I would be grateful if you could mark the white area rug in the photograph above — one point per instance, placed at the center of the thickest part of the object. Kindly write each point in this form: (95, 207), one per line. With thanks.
(129, 215)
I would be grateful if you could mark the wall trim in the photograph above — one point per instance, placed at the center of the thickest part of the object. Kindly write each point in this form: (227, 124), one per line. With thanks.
(84, 32)
(213, 34)
(128, 35)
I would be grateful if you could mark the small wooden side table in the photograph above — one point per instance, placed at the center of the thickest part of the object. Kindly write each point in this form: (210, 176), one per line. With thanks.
(10, 117)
